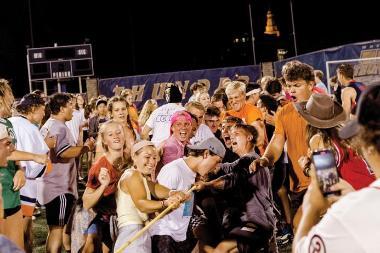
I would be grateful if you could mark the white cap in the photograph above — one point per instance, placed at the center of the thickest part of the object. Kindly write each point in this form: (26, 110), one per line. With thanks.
(3, 132)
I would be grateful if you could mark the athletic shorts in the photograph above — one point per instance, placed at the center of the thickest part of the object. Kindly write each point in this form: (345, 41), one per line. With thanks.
(11, 211)
(59, 209)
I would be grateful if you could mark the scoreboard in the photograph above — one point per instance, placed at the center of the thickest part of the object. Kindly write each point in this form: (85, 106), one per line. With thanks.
(59, 62)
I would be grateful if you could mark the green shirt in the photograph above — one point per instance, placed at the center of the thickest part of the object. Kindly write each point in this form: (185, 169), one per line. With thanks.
(11, 198)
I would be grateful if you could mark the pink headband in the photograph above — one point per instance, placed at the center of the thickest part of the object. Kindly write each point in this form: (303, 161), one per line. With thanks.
(177, 115)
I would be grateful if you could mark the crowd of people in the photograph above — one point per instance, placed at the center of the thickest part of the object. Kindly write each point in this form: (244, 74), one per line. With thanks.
(234, 167)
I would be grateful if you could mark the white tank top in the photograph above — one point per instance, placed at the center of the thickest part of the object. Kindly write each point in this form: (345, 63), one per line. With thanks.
(127, 212)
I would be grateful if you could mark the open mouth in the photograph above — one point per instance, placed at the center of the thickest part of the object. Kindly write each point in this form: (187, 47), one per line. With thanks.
(183, 134)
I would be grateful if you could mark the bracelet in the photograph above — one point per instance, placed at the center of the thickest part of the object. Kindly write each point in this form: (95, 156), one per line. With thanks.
(163, 204)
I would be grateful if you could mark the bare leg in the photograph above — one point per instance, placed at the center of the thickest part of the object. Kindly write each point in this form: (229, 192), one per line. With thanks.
(54, 239)
(66, 240)
(28, 234)
(283, 195)
(13, 230)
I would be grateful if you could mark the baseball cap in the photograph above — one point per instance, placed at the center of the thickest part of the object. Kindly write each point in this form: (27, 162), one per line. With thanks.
(139, 145)
(367, 113)
(3, 132)
(212, 144)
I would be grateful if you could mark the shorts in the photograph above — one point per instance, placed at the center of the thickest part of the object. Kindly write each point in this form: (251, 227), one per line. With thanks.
(59, 209)
(11, 211)
(100, 228)
(296, 199)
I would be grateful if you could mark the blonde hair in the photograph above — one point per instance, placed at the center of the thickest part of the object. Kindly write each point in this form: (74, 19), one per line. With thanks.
(235, 85)
(5, 90)
(103, 129)
(149, 106)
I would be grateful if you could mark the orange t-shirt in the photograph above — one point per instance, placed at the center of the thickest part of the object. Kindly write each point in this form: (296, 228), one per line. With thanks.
(248, 113)
(290, 124)
(133, 115)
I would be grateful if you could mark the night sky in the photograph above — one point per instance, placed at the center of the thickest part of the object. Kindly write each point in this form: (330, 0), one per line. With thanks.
(141, 37)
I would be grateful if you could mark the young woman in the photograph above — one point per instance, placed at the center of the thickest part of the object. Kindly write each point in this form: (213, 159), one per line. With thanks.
(322, 132)
(203, 98)
(31, 109)
(135, 197)
(12, 177)
(118, 111)
(102, 186)
(127, 94)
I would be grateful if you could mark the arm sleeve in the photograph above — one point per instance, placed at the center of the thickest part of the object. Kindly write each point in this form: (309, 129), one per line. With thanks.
(329, 235)
(93, 174)
(169, 178)
(63, 140)
(279, 128)
(150, 121)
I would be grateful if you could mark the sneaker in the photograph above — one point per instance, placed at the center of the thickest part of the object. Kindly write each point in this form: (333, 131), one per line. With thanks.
(285, 235)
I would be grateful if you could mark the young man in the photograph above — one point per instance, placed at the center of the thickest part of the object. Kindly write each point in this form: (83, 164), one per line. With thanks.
(290, 127)
(172, 233)
(212, 120)
(239, 108)
(351, 89)
(203, 132)
(318, 75)
(57, 190)
(159, 120)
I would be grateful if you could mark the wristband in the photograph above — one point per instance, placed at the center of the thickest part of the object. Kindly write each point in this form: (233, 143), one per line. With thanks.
(163, 204)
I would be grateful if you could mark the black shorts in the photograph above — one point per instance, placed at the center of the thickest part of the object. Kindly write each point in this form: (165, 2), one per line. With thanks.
(59, 209)
(296, 199)
(11, 211)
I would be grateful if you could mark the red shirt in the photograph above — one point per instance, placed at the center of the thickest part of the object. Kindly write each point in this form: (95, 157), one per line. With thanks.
(353, 168)
(93, 175)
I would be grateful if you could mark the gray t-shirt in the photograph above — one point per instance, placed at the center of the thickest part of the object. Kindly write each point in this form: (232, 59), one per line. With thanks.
(62, 178)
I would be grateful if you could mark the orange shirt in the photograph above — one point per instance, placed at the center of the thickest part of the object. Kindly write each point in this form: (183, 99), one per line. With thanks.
(290, 124)
(248, 113)
(133, 115)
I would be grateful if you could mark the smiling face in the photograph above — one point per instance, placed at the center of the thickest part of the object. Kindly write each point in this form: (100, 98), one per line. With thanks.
(181, 129)
(119, 111)
(236, 99)
(145, 159)
(113, 137)
(300, 90)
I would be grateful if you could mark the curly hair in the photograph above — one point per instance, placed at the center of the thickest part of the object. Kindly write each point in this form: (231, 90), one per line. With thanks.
(29, 103)
(295, 70)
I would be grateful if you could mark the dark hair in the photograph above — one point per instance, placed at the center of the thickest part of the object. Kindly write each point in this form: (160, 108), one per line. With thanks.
(232, 119)
(195, 86)
(369, 117)
(295, 70)
(220, 96)
(38, 92)
(175, 95)
(318, 73)
(197, 152)
(269, 102)
(212, 111)
(29, 103)
(273, 87)
(249, 130)
(346, 70)
(57, 101)
(84, 101)
(252, 86)
(328, 135)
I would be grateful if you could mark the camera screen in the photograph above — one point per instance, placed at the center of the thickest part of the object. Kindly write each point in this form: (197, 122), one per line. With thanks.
(324, 163)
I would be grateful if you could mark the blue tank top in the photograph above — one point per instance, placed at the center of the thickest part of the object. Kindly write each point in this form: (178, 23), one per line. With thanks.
(359, 88)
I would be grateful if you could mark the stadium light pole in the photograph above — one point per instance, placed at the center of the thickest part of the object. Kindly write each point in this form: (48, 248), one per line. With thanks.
(293, 29)
(252, 34)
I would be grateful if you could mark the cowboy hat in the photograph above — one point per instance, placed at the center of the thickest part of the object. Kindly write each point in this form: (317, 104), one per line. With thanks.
(321, 111)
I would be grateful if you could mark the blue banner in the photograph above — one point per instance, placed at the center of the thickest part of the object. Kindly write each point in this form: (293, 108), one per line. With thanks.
(145, 87)
(364, 71)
